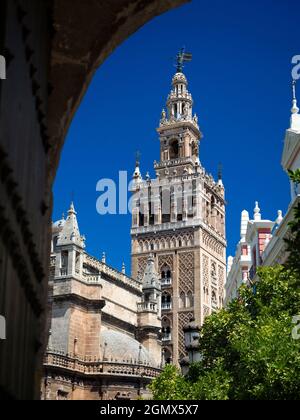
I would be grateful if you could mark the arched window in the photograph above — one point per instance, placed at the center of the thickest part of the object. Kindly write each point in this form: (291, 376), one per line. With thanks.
(166, 276)
(166, 300)
(214, 299)
(189, 300)
(182, 300)
(167, 356)
(55, 240)
(174, 149)
(166, 329)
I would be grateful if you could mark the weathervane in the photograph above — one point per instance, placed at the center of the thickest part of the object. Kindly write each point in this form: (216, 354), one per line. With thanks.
(137, 158)
(294, 83)
(182, 57)
(220, 171)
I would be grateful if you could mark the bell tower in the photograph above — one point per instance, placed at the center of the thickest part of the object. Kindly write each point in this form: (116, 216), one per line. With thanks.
(179, 132)
(179, 218)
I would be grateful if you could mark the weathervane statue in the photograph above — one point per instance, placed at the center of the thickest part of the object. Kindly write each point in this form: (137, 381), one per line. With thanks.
(182, 57)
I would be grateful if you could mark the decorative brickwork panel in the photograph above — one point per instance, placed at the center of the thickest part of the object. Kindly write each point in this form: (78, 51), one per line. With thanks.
(211, 243)
(186, 272)
(165, 260)
(165, 242)
(205, 273)
(142, 263)
(183, 319)
(206, 312)
(221, 279)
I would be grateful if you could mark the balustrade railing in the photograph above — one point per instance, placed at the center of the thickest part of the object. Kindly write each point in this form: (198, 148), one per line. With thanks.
(147, 306)
(166, 281)
(92, 366)
(167, 337)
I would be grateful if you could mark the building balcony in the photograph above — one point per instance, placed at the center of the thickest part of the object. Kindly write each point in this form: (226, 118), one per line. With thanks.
(63, 271)
(92, 278)
(166, 282)
(166, 306)
(147, 307)
(173, 162)
(90, 367)
(166, 337)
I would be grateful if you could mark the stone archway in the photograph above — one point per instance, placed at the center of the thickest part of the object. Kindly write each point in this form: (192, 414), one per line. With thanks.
(49, 67)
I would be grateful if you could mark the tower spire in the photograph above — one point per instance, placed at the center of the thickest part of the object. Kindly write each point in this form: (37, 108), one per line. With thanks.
(70, 233)
(295, 109)
(295, 118)
(220, 174)
(137, 176)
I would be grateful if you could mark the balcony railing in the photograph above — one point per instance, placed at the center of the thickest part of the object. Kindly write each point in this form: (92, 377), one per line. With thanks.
(93, 366)
(167, 337)
(63, 271)
(166, 306)
(166, 282)
(147, 307)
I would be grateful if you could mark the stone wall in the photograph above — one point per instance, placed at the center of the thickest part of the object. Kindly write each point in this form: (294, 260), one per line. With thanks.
(43, 41)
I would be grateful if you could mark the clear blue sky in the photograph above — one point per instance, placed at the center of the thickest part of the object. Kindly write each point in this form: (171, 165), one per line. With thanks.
(240, 79)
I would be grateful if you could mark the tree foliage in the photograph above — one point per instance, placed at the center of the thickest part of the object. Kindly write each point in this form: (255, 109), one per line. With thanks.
(248, 348)
(293, 243)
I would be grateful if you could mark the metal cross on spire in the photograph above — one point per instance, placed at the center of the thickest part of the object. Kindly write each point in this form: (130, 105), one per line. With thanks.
(220, 171)
(295, 109)
(137, 158)
(294, 88)
(182, 57)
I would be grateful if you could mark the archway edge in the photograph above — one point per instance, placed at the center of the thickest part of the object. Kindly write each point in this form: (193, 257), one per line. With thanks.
(75, 59)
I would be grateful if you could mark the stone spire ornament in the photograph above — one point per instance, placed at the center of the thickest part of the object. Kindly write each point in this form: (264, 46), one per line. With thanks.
(279, 217)
(151, 278)
(220, 175)
(137, 172)
(244, 224)
(257, 214)
(295, 118)
(70, 233)
(295, 108)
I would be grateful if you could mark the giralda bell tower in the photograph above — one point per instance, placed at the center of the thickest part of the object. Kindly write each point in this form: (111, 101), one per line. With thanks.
(179, 217)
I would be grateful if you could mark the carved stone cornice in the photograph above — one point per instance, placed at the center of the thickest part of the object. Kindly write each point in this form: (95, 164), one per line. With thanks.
(88, 304)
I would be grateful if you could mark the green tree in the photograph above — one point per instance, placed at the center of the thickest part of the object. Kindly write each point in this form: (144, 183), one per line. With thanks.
(170, 385)
(293, 243)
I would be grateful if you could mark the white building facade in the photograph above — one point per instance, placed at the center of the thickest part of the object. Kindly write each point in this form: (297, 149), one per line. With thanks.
(263, 241)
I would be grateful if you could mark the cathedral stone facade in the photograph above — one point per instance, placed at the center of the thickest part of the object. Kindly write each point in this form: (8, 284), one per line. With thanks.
(180, 217)
(104, 327)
